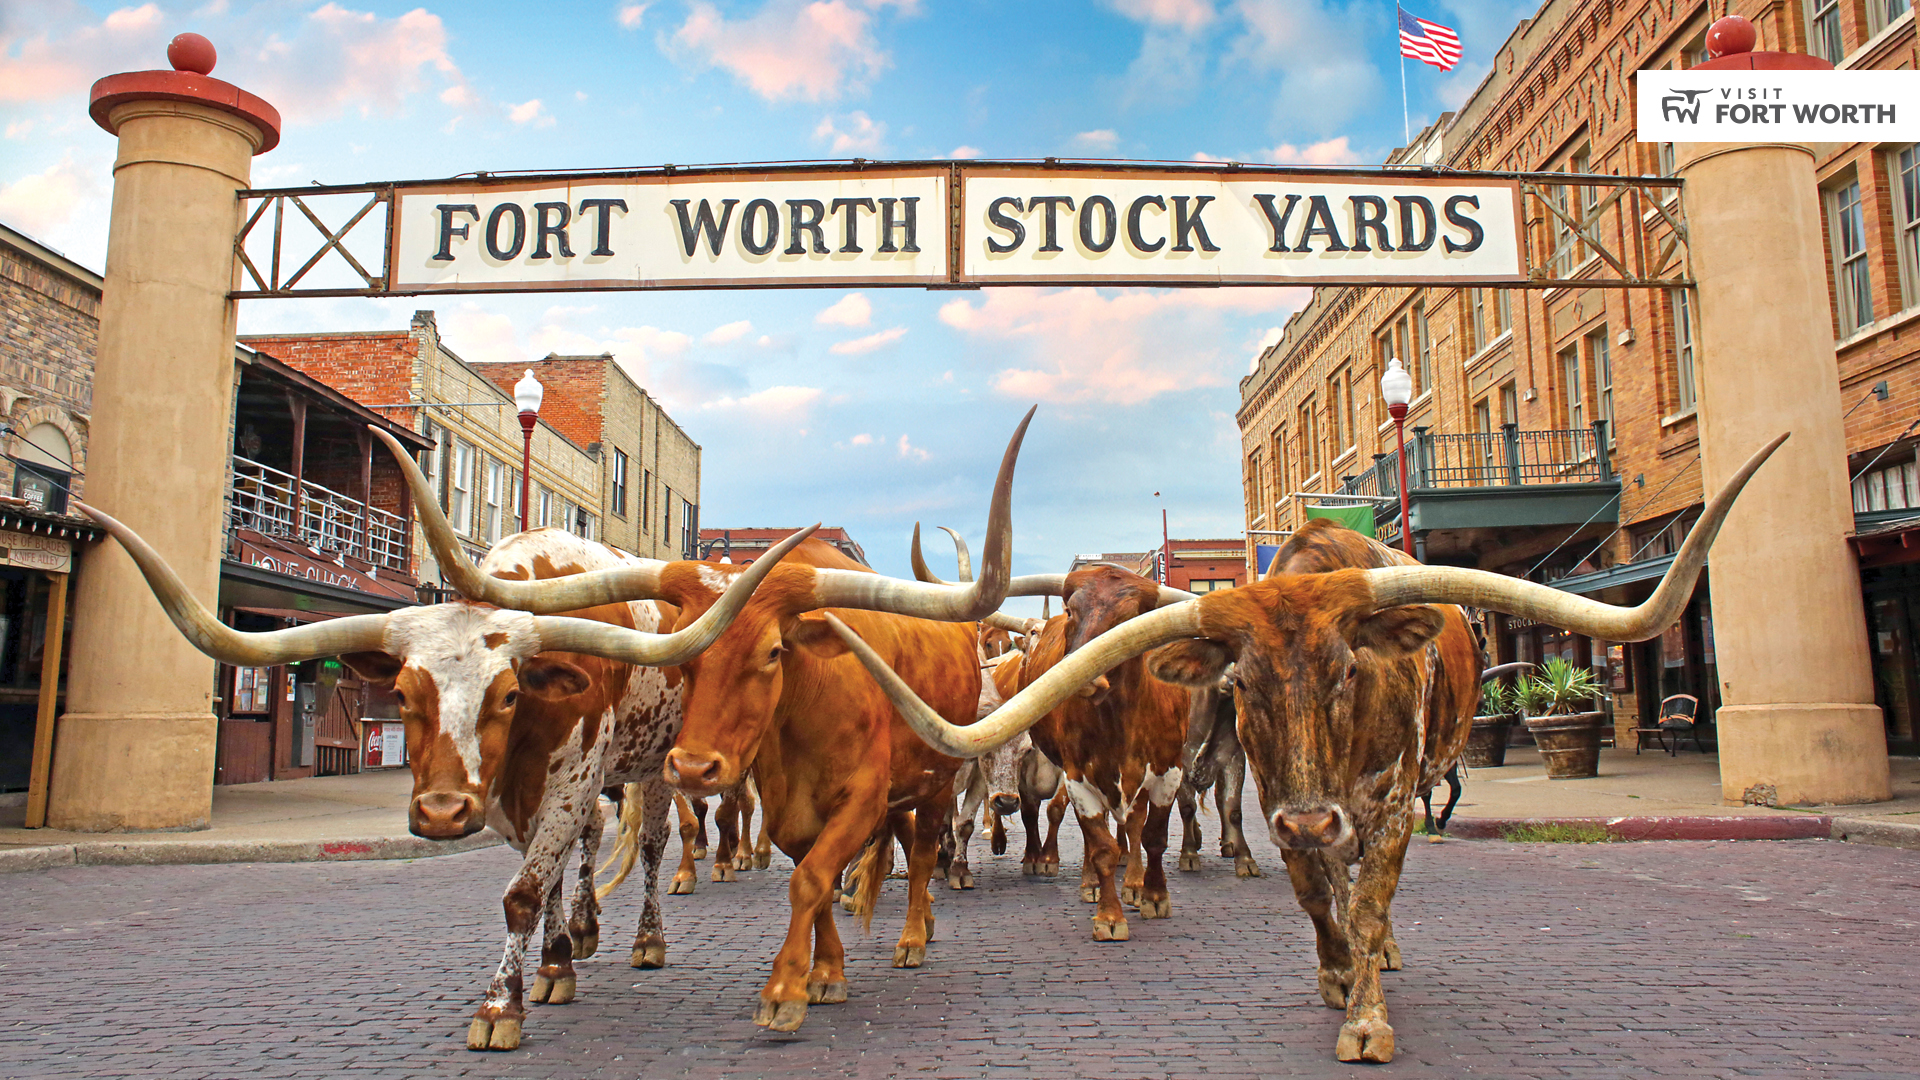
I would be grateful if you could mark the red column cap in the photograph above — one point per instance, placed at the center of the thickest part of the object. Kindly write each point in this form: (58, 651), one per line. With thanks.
(188, 86)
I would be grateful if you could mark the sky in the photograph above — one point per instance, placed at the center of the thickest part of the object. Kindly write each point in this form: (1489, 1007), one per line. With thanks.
(870, 409)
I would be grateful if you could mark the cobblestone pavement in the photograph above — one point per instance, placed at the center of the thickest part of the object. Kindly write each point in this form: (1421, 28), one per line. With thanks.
(1643, 960)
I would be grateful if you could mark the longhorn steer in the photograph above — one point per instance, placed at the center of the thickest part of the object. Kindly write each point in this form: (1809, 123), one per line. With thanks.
(1355, 689)
(992, 779)
(1214, 758)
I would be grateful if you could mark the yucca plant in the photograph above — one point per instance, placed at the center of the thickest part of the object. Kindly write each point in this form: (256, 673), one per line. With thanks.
(1495, 699)
(1560, 686)
(1529, 696)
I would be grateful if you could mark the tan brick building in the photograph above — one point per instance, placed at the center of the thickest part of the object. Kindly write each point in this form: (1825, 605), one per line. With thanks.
(1553, 431)
(742, 546)
(650, 467)
(51, 309)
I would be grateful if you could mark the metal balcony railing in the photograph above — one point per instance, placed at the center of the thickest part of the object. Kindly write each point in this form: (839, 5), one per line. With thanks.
(266, 499)
(1505, 458)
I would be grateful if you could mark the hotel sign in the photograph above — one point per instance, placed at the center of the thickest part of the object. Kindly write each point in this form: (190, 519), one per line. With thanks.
(954, 225)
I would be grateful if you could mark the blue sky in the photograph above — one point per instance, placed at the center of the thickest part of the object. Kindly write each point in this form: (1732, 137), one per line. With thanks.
(870, 410)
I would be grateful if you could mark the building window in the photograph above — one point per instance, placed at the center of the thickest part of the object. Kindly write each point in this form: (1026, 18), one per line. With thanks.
(1502, 311)
(1906, 205)
(582, 523)
(1509, 404)
(1881, 13)
(1200, 585)
(1823, 31)
(1483, 423)
(1282, 472)
(1852, 285)
(1895, 487)
(460, 497)
(1570, 371)
(1567, 249)
(1683, 339)
(1422, 346)
(666, 512)
(1477, 335)
(620, 482)
(646, 498)
(1309, 442)
(435, 462)
(545, 517)
(1255, 499)
(492, 493)
(686, 529)
(1599, 355)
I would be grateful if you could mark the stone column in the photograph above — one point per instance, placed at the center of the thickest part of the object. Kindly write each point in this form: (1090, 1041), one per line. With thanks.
(1798, 724)
(136, 747)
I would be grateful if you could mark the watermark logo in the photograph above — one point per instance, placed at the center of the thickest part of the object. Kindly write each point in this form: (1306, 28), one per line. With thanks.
(1681, 105)
(1749, 106)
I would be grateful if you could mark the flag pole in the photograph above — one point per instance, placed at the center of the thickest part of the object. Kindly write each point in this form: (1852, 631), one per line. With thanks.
(1406, 122)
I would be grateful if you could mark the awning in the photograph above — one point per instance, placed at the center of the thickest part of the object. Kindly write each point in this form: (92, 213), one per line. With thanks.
(1615, 576)
(292, 613)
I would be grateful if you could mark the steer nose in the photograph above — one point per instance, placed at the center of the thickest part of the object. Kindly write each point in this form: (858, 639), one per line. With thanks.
(1299, 829)
(444, 815)
(1095, 688)
(695, 771)
(1006, 804)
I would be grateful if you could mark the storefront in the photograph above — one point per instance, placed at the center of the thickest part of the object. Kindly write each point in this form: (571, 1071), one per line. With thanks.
(38, 555)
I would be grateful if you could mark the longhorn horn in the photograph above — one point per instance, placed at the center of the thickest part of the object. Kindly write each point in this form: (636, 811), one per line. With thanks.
(354, 633)
(1056, 585)
(1394, 586)
(1025, 709)
(945, 603)
(923, 572)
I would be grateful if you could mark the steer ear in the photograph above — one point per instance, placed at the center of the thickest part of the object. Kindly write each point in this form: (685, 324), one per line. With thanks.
(374, 667)
(551, 678)
(811, 632)
(1195, 662)
(1397, 631)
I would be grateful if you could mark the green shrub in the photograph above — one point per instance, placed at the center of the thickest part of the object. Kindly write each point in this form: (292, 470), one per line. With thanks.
(1558, 832)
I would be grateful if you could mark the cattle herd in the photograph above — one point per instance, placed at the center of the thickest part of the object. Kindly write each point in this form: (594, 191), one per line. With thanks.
(864, 710)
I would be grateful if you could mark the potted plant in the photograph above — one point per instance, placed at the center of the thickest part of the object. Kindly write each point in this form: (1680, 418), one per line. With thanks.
(1487, 741)
(1569, 740)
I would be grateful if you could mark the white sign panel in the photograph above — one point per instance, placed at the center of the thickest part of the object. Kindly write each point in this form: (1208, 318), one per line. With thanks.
(1034, 226)
(1739, 106)
(664, 232)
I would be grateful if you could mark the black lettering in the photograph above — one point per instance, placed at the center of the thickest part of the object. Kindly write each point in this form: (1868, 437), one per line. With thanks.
(1277, 220)
(755, 209)
(850, 222)
(1806, 114)
(1369, 216)
(702, 224)
(493, 231)
(602, 228)
(543, 228)
(1320, 223)
(1112, 226)
(997, 217)
(1050, 203)
(1133, 222)
(908, 223)
(449, 231)
(796, 224)
(1882, 114)
(1475, 234)
(1408, 203)
(1185, 224)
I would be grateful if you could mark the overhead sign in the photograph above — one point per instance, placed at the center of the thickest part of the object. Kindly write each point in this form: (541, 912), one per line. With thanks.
(952, 224)
(35, 552)
(1742, 106)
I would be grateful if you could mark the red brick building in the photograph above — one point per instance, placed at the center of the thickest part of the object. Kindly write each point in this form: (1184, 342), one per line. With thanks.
(1195, 565)
(742, 546)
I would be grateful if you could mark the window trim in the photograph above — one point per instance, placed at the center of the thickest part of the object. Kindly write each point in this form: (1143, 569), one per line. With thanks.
(1848, 312)
(1906, 219)
(621, 466)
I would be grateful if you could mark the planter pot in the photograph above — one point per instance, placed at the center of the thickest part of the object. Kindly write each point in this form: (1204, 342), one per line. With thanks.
(1487, 742)
(1569, 743)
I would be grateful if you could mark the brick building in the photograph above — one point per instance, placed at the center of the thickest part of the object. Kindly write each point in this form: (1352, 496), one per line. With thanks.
(1193, 565)
(650, 467)
(1553, 432)
(413, 379)
(745, 545)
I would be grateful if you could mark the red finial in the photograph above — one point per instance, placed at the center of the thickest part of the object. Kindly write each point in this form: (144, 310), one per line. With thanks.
(191, 52)
(1729, 36)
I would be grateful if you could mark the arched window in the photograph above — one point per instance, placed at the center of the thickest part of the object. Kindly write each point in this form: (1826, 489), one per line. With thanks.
(43, 461)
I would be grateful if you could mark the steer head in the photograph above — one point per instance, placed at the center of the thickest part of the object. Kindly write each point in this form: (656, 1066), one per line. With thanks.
(1211, 717)
(1095, 599)
(1326, 688)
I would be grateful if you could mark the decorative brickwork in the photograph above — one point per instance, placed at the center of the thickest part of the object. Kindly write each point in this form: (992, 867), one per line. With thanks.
(51, 311)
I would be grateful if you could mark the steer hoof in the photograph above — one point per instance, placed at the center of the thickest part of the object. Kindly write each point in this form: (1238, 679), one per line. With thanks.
(552, 989)
(850, 903)
(762, 859)
(1333, 989)
(1244, 866)
(909, 956)
(699, 852)
(1156, 908)
(585, 945)
(1089, 894)
(1130, 895)
(1190, 860)
(1228, 849)
(960, 880)
(723, 871)
(780, 1015)
(682, 885)
(743, 862)
(1047, 868)
(501, 1033)
(1390, 956)
(1109, 931)
(649, 955)
(1365, 1040)
(827, 993)
(999, 843)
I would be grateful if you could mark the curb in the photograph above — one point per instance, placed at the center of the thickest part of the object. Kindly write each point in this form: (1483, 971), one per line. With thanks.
(1700, 827)
(201, 852)
(1878, 832)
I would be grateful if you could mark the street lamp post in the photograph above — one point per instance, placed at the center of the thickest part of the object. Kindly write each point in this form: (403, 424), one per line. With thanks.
(1396, 389)
(527, 393)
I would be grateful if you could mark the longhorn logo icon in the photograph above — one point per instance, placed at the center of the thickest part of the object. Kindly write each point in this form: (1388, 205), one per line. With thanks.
(1681, 105)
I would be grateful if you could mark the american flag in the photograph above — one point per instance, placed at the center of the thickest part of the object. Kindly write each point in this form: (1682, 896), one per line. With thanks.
(1428, 42)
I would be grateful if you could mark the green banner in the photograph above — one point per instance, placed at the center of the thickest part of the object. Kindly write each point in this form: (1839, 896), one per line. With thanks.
(1357, 518)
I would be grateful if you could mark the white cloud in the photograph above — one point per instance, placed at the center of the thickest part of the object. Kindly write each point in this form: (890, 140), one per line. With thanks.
(774, 400)
(41, 203)
(1267, 341)
(631, 14)
(867, 344)
(1103, 139)
(1331, 152)
(732, 331)
(530, 112)
(912, 452)
(854, 131)
(1188, 15)
(1119, 347)
(1310, 44)
(791, 49)
(962, 153)
(862, 439)
(42, 68)
(852, 309)
(19, 129)
(340, 59)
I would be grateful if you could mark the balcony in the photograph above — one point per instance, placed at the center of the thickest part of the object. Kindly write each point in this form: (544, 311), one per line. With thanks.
(1501, 479)
(274, 503)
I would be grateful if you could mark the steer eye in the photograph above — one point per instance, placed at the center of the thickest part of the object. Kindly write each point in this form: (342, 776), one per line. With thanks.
(400, 697)
(1353, 670)
(508, 699)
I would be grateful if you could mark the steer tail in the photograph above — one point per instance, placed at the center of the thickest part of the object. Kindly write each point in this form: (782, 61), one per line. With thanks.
(626, 847)
(875, 865)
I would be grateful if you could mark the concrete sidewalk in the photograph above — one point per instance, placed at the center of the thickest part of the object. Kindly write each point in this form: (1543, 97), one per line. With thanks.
(1645, 796)
(329, 817)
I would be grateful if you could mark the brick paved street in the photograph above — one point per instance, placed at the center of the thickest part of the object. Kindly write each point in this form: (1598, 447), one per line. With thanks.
(1696, 959)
